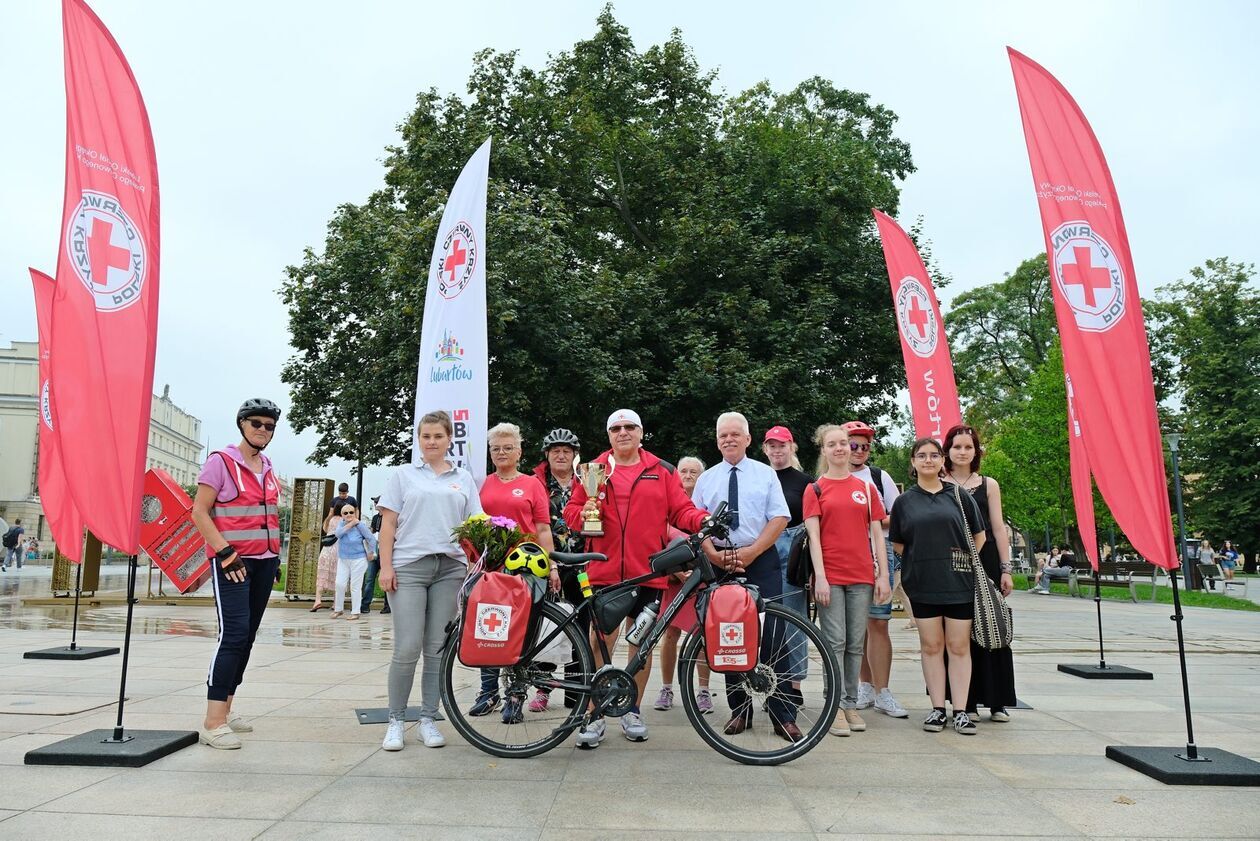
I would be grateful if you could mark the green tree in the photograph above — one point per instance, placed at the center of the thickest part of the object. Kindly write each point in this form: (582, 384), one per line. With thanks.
(999, 334)
(652, 243)
(1213, 330)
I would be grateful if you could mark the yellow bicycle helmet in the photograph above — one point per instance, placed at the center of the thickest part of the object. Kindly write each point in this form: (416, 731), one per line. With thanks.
(528, 557)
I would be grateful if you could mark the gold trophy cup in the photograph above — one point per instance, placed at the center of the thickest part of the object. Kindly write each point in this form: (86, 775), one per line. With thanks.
(592, 475)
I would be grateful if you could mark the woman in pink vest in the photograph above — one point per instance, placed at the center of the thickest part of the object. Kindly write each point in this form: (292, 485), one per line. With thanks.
(237, 511)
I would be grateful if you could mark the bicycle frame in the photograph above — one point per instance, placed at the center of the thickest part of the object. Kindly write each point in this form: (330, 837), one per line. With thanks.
(703, 573)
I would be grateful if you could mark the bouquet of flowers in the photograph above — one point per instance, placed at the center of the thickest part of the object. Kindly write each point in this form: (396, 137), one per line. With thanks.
(490, 538)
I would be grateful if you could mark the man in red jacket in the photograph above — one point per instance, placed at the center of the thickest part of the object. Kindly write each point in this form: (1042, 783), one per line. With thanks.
(642, 498)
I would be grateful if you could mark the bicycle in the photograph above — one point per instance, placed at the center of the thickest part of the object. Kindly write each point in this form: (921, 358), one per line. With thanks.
(796, 671)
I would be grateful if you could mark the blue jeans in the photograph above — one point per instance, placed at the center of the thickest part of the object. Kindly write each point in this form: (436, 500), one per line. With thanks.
(884, 611)
(14, 556)
(369, 584)
(794, 598)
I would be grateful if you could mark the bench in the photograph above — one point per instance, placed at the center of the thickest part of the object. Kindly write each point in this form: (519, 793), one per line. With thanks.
(1122, 572)
(1212, 574)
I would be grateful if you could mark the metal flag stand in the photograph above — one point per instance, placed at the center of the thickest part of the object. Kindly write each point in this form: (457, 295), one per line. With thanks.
(1102, 671)
(74, 651)
(1195, 766)
(117, 747)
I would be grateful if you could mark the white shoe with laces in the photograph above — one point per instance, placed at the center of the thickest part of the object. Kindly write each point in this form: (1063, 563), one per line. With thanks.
(865, 696)
(887, 704)
(394, 735)
(429, 733)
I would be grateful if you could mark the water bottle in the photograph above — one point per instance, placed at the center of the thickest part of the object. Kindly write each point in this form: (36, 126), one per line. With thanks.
(641, 625)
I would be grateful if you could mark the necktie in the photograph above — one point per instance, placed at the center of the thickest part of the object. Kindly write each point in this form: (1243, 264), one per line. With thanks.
(732, 497)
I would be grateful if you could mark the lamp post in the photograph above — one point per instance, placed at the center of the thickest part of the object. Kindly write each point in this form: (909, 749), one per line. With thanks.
(1174, 447)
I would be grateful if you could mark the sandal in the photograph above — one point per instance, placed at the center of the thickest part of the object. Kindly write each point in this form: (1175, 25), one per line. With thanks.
(319, 607)
(335, 614)
(352, 616)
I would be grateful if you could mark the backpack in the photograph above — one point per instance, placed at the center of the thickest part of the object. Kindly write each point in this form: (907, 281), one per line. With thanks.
(877, 479)
(11, 537)
(732, 630)
(496, 620)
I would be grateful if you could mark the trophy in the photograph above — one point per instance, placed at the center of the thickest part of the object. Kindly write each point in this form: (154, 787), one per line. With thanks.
(592, 475)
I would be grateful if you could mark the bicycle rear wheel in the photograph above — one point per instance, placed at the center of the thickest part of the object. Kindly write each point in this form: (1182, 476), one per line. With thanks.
(499, 733)
(795, 680)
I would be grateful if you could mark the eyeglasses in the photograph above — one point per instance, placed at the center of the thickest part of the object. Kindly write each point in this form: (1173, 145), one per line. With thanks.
(859, 448)
(625, 427)
(510, 448)
(929, 456)
(257, 424)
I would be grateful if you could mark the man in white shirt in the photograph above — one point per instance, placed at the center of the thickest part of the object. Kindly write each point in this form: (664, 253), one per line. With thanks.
(752, 491)
(877, 662)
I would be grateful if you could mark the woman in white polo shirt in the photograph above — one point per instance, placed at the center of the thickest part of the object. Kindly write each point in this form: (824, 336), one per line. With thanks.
(422, 567)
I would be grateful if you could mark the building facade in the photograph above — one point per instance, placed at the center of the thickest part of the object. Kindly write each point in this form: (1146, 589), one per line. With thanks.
(174, 440)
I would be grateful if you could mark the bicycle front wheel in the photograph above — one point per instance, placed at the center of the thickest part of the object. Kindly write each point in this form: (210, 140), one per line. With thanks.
(796, 681)
(509, 728)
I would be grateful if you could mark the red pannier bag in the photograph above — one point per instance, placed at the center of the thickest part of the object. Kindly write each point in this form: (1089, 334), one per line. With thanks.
(732, 632)
(496, 620)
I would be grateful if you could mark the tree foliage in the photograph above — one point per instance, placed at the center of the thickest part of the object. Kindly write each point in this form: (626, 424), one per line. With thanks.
(1211, 327)
(651, 243)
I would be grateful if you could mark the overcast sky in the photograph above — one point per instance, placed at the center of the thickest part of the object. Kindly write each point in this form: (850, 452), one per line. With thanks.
(267, 115)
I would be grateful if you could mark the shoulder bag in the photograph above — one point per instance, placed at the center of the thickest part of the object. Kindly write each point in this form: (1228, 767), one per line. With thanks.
(992, 628)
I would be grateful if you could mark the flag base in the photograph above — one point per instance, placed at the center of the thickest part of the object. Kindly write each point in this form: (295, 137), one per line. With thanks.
(98, 748)
(1213, 767)
(380, 715)
(1091, 671)
(70, 652)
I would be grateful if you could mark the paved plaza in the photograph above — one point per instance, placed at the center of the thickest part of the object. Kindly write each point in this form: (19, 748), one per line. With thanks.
(310, 771)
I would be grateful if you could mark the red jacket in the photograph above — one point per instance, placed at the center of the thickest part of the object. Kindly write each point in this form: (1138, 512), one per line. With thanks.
(657, 501)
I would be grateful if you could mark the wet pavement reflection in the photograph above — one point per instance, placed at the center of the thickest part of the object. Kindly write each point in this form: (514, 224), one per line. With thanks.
(290, 626)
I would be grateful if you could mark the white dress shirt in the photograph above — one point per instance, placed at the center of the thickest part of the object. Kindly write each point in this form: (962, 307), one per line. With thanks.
(760, 496)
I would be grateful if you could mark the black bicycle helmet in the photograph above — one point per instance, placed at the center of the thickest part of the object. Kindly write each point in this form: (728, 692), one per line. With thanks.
(560, 437)
(258, 407)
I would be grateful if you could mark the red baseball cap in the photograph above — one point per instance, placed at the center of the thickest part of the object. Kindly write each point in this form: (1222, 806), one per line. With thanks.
(779, 433)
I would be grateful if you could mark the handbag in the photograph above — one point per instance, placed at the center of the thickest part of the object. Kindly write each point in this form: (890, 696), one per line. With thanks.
(993, 626)
(328, 540)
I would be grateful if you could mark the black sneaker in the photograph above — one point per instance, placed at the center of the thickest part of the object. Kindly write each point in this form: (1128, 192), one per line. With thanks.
(513, 710)
(935, 722)
(486, 703)
(963, 724)
(385, 610)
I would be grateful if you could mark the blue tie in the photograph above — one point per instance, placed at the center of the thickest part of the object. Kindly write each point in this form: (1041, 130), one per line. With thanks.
(732, 497)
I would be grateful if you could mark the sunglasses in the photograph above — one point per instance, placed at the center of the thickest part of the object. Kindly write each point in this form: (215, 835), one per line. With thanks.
(625, 427)
(859, 448)
(257, 424)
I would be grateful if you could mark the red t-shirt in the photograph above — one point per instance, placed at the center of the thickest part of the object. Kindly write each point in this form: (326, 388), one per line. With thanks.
(846, 510)
(524, 499)
(622, 480)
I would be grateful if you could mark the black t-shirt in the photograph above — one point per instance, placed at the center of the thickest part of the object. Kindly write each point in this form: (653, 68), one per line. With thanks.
(794, 483)
(936, 565)
(340, 501)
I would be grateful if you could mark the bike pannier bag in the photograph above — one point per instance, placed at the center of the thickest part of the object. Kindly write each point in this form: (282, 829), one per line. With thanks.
(732, 633)
(496, 621)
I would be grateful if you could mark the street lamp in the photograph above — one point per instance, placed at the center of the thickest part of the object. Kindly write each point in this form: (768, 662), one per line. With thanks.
(1174, 447)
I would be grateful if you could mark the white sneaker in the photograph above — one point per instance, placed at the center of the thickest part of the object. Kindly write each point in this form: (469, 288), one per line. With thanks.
(887, 704)
(429, 734)
(866, 696)
(591, 735)
(394, 735)
(633, 728)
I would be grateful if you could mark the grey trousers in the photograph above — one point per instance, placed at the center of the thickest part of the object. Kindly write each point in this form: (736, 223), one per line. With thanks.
(844, 627)
(424, 602)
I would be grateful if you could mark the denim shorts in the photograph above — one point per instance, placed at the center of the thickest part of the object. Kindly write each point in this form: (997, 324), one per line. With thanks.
(884, 611)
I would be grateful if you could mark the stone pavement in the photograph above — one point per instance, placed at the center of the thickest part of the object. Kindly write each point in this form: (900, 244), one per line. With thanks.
(310, 771)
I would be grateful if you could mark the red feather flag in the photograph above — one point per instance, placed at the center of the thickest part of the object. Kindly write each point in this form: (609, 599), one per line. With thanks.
(105, 306)
(1105, 352)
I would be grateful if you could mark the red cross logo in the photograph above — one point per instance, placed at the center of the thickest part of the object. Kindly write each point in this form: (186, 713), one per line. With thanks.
(103, 255)
(492, 622)
(454, 260)
(1085, 274)
(732, 634)
(918, 317)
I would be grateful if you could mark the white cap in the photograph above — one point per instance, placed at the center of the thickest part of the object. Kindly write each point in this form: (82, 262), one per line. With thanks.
(623, 416)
